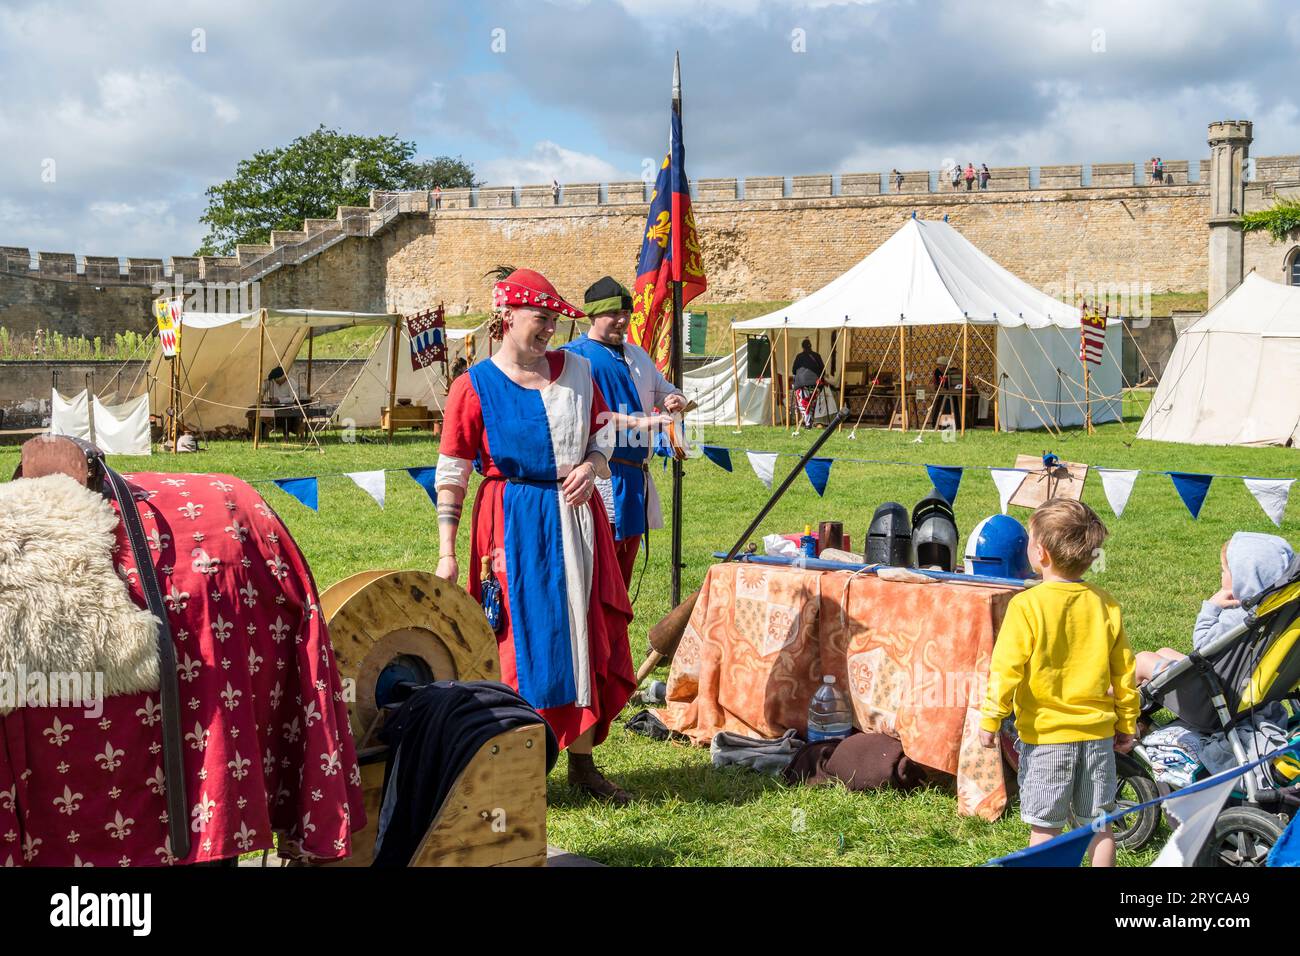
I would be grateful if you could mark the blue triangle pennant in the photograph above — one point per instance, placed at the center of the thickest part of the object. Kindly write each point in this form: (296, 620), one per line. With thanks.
(818, 471)
(1064, 850)
(946, 481)
(1192, 488)
(304, 489)
(718, 455)
(425, 478)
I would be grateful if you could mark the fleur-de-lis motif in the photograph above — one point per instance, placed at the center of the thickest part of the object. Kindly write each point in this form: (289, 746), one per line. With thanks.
(70, 802)
(120, 828)
(221, 629)
(164, 853)
(9, 797)
(236, 530)
(177, 599)
(108, 760)
(174, 482)
(276, 693)
(198, 738)
(278, 567)
(231, 696)
(308, 827)
(292, 731)
(30, 847)
(150, 713)
(245, 836)
(254, 662)
(658, 233)
(222, 486)
(268, 763)
(330, 764)
(188, 669)
(310, 714)
(191, 510)
(158, 541)
(125, 573)
(157, 783)
(239, 766)
(58, 732)
(203, 562)
(278, 630)
(249, 594)
(202, 813)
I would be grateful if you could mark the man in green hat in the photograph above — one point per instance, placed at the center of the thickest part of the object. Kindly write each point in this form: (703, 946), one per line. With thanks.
(640, 400)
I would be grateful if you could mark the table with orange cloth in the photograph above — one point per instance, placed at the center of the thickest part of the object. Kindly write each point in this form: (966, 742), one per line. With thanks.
(913, 657)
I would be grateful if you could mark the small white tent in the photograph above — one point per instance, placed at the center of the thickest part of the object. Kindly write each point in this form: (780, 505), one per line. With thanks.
(927, 276)
(1232, 377)
(363, 404)
(220, 354)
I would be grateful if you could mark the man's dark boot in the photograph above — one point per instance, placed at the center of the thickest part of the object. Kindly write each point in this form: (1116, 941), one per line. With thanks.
(584, 775)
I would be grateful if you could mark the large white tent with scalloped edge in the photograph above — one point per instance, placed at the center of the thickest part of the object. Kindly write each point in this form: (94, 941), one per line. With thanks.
(1232, 378)
(929, 297)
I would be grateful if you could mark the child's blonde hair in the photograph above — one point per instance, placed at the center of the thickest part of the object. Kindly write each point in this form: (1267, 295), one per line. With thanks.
(1070, 532)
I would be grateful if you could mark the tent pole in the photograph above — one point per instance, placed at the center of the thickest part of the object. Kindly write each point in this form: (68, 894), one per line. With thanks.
(261, 371)
(771, 376)
(965, 329)
(311, 338)
(902, 372)
(845, 350)
(735, 376)
(392, 383)
(786, 371)
(1087, 394)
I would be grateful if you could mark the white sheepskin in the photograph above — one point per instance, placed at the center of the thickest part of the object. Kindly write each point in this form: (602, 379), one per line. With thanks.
(63, 607)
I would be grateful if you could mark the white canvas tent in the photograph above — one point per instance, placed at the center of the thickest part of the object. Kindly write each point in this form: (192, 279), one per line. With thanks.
(1232, 377)
(362, 405)
(929, 296)
(224, 357)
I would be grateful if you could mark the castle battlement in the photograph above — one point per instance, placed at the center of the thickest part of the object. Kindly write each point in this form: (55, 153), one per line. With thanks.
(292, 247)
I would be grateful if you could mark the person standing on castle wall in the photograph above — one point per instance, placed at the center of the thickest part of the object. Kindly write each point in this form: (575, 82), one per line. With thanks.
(898, 181)
(555, 191)
(633, 387)
(970, 176)
(984, 175)
(956, 176)
(437, 197)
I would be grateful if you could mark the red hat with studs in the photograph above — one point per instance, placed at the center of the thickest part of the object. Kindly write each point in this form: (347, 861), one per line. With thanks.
(524, 287)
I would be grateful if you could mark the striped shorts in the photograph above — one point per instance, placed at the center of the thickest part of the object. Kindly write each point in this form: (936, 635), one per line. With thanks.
(1059, 779)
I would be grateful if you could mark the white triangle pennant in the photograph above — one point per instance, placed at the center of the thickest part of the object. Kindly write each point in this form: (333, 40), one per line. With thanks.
(371, 482)
(1272, 495)
(764, 465)
(1118, 485)
(1007, 480)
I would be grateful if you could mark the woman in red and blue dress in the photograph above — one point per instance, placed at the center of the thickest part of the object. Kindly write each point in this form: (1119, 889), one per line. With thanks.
(534, 425)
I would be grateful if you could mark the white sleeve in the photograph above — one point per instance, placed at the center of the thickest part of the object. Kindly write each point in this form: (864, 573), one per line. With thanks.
(452, 472)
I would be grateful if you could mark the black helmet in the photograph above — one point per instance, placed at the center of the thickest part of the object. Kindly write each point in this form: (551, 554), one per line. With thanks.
(935, 542)
(889, 539)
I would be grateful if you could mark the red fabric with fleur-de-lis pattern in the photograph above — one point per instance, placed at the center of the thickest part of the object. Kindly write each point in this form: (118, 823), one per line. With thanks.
(268, 749)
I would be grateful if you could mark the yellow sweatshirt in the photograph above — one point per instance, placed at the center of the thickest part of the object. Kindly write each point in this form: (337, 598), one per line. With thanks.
(1060, 651)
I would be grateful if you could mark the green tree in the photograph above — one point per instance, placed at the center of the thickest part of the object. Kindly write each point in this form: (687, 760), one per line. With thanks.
(442, 171)
(309, 179)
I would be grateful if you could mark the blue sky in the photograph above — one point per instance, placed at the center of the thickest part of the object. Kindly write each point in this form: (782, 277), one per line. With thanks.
(134, 120)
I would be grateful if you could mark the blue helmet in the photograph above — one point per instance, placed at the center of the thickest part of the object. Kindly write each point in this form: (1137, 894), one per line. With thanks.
(999, 547)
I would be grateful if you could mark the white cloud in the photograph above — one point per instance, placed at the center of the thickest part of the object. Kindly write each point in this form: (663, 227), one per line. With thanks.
(550, 161)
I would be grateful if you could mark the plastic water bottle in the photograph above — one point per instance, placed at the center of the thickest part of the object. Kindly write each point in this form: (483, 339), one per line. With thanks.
(829, 714)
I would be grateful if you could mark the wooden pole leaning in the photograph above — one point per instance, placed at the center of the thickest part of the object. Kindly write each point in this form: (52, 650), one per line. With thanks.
(261, 373)
(902, 370)
(846, 352)
(786, 371)
(735, 376)
(965, 330)
(392, 382)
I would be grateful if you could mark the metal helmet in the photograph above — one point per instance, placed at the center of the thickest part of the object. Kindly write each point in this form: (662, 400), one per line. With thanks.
(935, 541)
(999, 546)
(889, 539)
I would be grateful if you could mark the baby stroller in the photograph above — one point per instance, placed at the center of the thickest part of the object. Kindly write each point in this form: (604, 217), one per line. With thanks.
(1255, 664)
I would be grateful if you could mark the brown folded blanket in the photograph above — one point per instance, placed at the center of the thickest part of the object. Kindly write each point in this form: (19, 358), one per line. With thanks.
(859, 761)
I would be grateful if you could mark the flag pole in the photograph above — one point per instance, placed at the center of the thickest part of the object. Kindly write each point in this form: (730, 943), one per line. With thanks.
(675, 376)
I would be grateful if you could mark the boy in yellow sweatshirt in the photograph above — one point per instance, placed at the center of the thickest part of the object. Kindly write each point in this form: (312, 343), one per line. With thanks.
(1059, 653)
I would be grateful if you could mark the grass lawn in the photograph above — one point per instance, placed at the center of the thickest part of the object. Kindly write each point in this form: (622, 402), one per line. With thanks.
(1159, 563)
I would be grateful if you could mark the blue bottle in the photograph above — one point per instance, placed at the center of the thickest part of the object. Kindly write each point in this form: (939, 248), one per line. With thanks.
(807, 543)
(829, 714)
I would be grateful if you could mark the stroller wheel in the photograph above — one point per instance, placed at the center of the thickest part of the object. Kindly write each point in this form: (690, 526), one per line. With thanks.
(1135, 830)
(1242, 837)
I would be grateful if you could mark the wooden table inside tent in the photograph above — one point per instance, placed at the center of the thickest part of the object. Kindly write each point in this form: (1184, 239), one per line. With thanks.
(412, 416)
(914, 659)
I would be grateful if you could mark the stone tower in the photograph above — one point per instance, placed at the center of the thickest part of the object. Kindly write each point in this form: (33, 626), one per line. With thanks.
(1229, 149)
